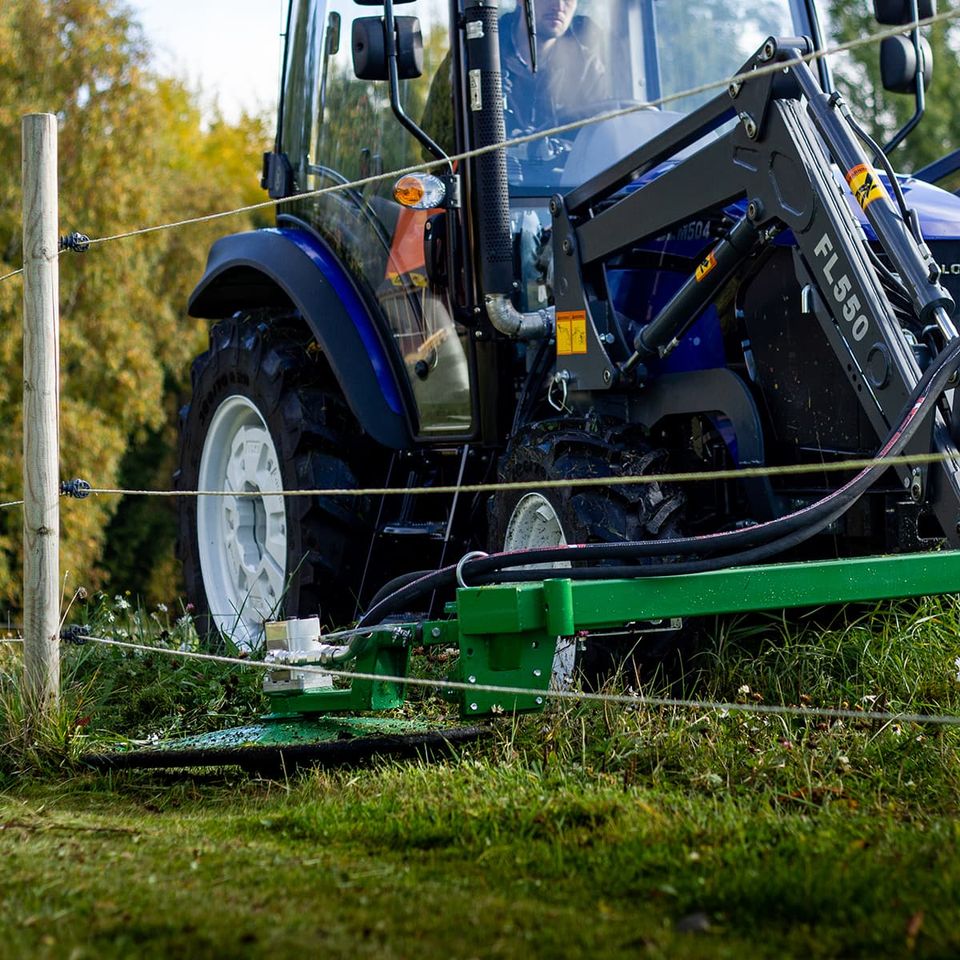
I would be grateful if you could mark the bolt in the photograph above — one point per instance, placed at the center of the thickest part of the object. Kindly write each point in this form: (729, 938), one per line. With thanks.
(748, 125)
(539, 701)
(734, 89)
(607, 337)
(906, 483)
(537, 673)
(567, 246)
(607, 376)
(769, 50)
(471, 679)
(754, 210)
(435, 632)
(473, 706)
(554, 205)
(477, 334)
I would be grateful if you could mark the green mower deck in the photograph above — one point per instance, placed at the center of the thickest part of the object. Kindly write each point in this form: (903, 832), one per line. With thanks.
(504, 636)
(275, 747)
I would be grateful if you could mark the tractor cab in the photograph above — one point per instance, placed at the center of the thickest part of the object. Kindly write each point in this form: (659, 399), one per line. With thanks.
(419, 269)
(551, 242)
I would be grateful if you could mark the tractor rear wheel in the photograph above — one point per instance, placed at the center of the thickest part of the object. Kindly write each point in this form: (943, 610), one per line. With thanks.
(554, 516)
(263, 421)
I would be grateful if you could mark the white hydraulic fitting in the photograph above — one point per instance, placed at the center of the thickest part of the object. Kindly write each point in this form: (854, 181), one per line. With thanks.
(294, 642)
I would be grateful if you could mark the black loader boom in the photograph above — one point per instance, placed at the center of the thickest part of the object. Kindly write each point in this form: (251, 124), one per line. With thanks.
(783, 155)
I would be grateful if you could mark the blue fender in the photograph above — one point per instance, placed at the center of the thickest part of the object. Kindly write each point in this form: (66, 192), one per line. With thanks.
(279, 266)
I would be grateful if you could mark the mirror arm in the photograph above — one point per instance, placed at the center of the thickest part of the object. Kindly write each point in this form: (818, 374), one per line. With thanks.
(394, 79)
(921, 96)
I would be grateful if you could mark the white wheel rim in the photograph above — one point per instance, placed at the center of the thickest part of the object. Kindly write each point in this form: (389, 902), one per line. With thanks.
(535, 524)
(242, 540)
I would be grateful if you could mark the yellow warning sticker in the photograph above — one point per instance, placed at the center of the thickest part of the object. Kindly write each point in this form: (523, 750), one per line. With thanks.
(706, 266)
(865, 185)
(571, 332)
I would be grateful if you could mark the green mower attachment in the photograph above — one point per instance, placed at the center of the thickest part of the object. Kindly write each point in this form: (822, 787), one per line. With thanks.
(502, 640)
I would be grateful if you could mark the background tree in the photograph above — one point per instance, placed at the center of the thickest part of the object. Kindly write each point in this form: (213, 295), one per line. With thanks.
(134, 151)
(857, 74)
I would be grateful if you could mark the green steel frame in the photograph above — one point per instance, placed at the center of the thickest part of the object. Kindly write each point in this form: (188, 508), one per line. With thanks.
(505, 635)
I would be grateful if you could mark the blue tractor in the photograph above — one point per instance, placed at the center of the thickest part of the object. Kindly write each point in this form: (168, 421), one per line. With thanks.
(725, 279)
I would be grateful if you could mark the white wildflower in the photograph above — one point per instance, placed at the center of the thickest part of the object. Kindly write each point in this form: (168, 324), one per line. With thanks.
(121, 602)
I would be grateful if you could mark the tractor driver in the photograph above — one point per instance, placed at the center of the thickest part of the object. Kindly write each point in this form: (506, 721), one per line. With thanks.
(570, 73)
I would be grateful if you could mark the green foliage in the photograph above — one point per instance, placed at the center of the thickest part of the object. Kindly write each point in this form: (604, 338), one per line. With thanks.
(858, 76)
(29, 748)
(133, 151)
(154, 695)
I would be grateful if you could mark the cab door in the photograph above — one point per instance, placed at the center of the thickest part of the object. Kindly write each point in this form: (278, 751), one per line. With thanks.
(338, 129)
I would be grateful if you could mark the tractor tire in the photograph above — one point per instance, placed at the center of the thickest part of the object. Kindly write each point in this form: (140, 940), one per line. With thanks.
(552, 516)
(263, 419)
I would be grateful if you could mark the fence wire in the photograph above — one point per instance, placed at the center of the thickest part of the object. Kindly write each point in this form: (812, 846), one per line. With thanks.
(575, 696)
(761, 71)
(873, 38)
(741, 473)
(612, 481)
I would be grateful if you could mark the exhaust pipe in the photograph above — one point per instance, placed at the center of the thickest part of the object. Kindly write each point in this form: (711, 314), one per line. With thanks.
(485, 102)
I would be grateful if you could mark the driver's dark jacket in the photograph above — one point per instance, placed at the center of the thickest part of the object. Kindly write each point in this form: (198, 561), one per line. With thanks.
(566, 83)
(568, 80)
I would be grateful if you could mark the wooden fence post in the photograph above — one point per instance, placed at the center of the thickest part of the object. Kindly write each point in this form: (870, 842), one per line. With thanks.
(41, 412)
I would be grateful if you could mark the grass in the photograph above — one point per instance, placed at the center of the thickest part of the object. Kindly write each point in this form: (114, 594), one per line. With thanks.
(584, 831)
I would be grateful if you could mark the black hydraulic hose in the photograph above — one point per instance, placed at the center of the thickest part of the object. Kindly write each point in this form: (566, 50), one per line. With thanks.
(397, 583)
(931, 384)
(754, 543)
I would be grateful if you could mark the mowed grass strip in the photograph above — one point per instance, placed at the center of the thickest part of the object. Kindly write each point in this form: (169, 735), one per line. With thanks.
(466, 859)
(585, 831)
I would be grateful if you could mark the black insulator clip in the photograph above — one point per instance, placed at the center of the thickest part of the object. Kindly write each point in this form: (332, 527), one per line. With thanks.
(78, 489)
(76, 634)
(77, 242)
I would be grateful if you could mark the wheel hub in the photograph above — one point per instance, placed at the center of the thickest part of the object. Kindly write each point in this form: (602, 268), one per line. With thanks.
(242, 535)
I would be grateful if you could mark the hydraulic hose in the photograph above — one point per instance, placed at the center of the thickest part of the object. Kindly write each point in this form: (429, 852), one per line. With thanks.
(752, 543)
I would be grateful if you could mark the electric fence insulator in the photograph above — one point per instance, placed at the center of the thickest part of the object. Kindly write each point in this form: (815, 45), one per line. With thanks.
(78, 489)
(76, 634)
(77, 242)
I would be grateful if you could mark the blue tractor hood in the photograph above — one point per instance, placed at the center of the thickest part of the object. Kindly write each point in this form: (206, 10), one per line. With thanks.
(938, 210)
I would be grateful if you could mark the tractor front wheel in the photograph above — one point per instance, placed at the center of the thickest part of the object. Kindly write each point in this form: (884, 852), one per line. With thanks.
(558, 515)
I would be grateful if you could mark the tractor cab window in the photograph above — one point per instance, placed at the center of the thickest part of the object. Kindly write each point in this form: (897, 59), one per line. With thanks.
(598, 56)
(340, 129)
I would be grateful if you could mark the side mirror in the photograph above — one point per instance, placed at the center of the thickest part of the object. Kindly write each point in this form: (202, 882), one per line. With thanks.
(898, 64)
(370, 48)
(895, 12)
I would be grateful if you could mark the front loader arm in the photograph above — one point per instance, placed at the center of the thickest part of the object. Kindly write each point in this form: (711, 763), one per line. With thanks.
(783, 157)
